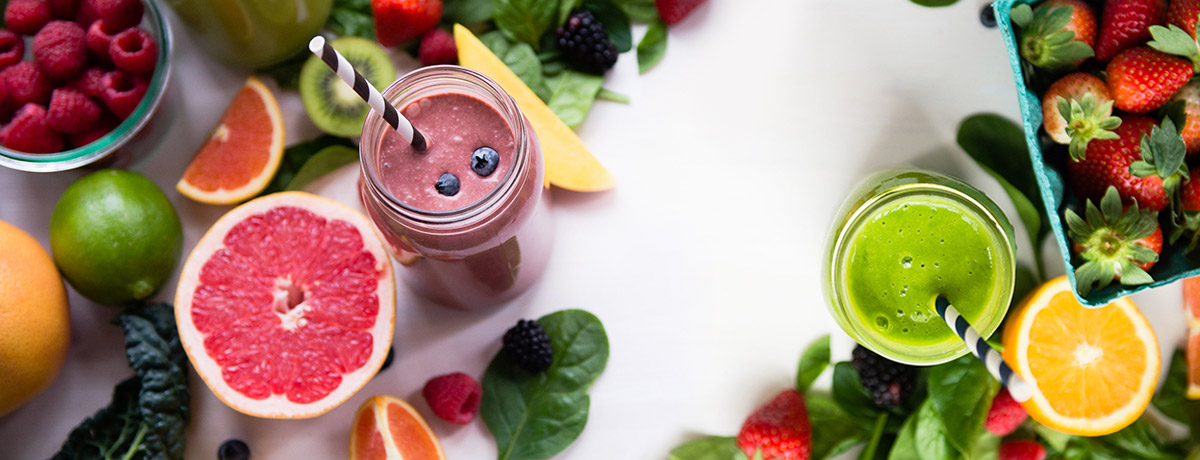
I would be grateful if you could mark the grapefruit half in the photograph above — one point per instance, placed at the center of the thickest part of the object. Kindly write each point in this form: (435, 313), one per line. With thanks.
(243, 152)
(286, 306)
(387, 428)
(1191, 307)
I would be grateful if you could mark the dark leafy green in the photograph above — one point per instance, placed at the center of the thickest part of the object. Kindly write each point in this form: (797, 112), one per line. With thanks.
(850, 394)
(710, 448)
(295, 156)
(998, 146)
(935, 3)
(466, 11)
(572, 94)
(1171, 399)
(961, 393)
(521, 59)
(565, 7)
(352, 18)
(606, 94)
(930, 435)
(534, 416)
(148, 416)
(812, 363)
(833, 431)
(616, 23)
(639, 10)
(524, 20)
(878, 444)
(653, 46)
(325, 161)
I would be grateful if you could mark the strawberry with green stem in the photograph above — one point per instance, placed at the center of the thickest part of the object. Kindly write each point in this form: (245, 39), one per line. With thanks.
(1187, 219)
(1163, 153)
(1115, 244)
(1077, 109)
(1188, 107)
(778, 430)
(1143, 79)
(1126, 23)
(1058, 34)
(1107, 164)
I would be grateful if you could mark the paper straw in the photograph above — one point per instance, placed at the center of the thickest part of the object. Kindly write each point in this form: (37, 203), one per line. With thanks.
(1020, 390)
(366, 91)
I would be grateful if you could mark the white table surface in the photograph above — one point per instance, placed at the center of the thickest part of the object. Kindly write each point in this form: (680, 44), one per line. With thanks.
(703, 263)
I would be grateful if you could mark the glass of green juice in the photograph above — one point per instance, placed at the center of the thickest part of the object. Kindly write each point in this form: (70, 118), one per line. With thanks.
(903, 237)
(252, 33)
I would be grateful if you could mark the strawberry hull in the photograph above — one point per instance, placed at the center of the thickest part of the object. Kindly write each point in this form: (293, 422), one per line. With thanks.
(1050, 171)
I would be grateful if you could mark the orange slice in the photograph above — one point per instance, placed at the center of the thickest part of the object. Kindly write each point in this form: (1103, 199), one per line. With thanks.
(1094, 369)
(569, 164)
(387, 428)
(243, 152)
(1191, 306)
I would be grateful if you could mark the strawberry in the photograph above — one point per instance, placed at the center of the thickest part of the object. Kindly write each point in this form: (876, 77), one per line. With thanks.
(398, 21)
(1184, 13)
(1189, 96)
(1076, 109)
(1107, 163)
(1127, 23)
(1188, 219)
(1143, 79)
(1115, 244)
(1058, 34)
(673, 11)
(779, 429)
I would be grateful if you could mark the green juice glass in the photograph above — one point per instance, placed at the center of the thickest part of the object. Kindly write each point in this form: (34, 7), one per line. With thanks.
(252, 33)
(901, 239)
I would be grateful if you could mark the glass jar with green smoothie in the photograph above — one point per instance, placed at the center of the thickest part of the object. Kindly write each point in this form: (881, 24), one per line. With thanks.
(252, 33)
(904, 237)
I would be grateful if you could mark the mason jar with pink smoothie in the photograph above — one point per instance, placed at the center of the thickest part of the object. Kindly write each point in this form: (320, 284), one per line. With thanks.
(468, 217)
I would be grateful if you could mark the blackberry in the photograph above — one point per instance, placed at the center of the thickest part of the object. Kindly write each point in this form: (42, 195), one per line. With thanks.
(585, 43)
(529, 345)
(233, 449)
(889, 383)
(987, 16)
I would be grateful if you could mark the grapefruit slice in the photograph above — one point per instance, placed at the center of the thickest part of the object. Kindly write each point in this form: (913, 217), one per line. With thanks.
(243, 152)
(569, 164)
(387, 428)
(1191, 306)
(286, 306)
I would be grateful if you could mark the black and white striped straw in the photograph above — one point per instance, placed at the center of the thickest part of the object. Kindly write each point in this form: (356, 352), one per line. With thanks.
(366, 91)
(1020, 390)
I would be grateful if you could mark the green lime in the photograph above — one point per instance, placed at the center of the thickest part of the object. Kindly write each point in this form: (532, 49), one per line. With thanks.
(115, 237)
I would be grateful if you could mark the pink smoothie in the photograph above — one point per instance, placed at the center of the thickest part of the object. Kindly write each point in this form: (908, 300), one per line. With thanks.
(455, 125)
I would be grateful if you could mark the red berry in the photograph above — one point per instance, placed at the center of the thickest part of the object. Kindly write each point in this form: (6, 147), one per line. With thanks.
(26, 83)
(106, 124)
(63, 9)
(1022, 450)
(122, 92)
(398, 21)
(119, 14)
(72, 112)
(28, 132)
(453, 397)
(12, 48)
(1126, 23)
(60, 49)
(673, 11)
(26, 17)
(437, 47)
(1006, 415)
(780, 429)
(133, 51)
(99, 35)
(90, 82)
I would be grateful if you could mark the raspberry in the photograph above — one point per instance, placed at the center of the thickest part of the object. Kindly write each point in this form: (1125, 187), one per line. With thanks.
(28, 132)
(63, 9)
(90, 82)
(453, 397)
(585, 43)
(60, 49)
(122, 92)
(529, 346)
(1006, 415)
(26, 83)
(99, 35)
(118, 14)
(1022, 450)
(133, 51)
(12, 48)
(26, 17)
(106, 124)
(437, 47)
(72, 112)
(890, 383)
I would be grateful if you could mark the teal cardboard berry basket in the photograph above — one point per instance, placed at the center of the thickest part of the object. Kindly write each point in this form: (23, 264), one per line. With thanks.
(1172, 265)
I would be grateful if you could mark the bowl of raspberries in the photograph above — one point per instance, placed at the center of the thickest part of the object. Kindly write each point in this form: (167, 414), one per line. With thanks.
(78, 79)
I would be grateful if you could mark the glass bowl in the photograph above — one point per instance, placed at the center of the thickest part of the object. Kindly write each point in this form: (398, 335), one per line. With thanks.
(156, 25)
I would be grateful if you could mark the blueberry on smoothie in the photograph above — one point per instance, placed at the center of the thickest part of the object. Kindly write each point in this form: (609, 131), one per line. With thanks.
(484, 161)
(447, 184)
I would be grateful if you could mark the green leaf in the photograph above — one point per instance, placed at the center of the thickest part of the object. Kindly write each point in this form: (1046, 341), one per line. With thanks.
(1138, 440)
(961, 393)
(351, 18)
(639, 10)
(565, 7)
(294, 158)
(905, 447)
(850, 394)
(833, 431)
(876, 443)
(606, 94)
(653, 46)
(1172, 399)
(521, 59)
(616, 23)
(931, 435)
(710, 448)
(535, 416)
(466, 11)
(1174, 41)
(935, 3)
(986, 447)
(524, 20)
(812, 363)
(326, 161)
(1054, 439)
(1022, 14)
(572, 94)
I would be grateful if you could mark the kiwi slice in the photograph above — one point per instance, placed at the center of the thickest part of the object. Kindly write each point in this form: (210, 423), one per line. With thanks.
(332, 104)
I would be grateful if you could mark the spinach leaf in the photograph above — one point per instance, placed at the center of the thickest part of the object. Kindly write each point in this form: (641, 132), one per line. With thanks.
(148, 416)
(639, 10)
(653, 46)
(535, 416)
(987, 447)
(935, 3)
(324, 162)
(1138, 440)
(960, 394)
(606, 94)
(878, 444)
(352, 18)
(1171, 399)
(296, 155)
(930, 435)
(905, 447)
(998, 146)
(710, 448)
(572, 94)
(466, 11)
(851, 396)
(812, 363)
(521, 59)
(524, 20)
(833, 431)
(616, 23)
(565, 7)
(1054, 439)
